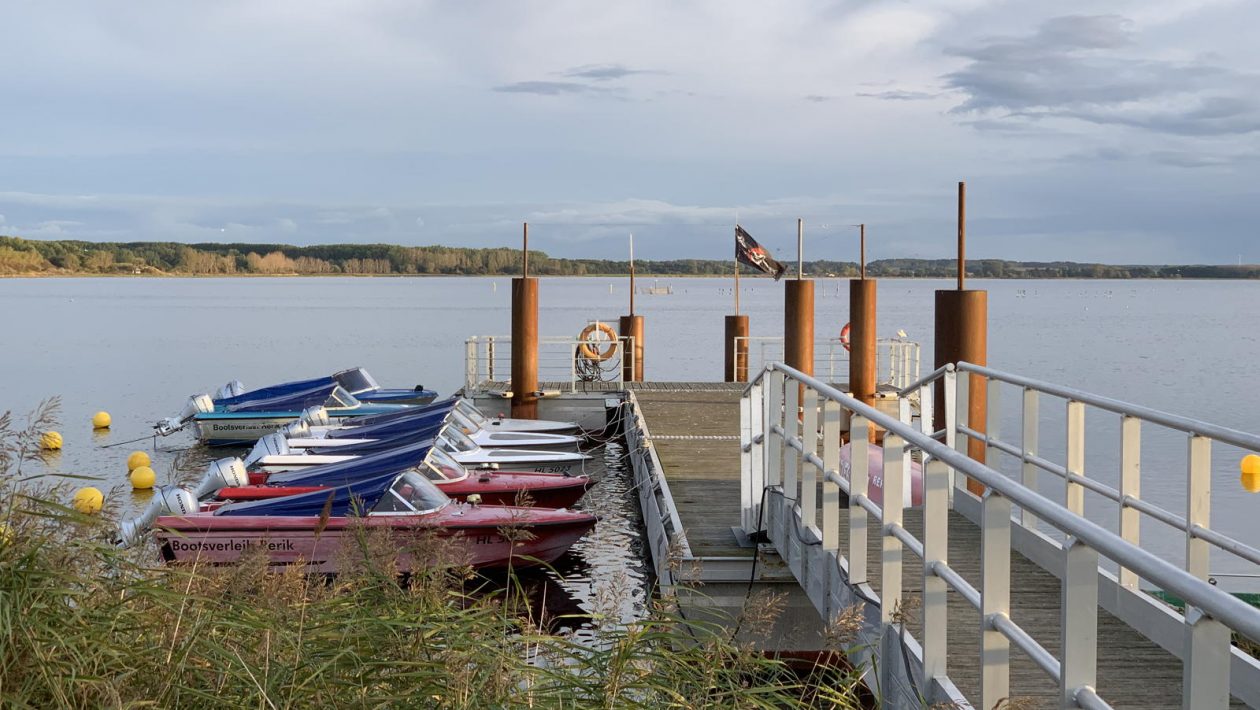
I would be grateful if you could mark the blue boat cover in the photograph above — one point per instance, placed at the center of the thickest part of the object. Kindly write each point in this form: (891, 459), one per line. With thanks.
(294, 401)
(274, 391)
(401, 425)
(395, 395)
(445, 405)
(355, 499)
(335, 474)
(376, 446)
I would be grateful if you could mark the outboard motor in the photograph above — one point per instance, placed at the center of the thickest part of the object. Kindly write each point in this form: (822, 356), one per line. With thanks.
(230, 390)
(222, 474)
(167, 500)
(197, 404)
(316, 416)
(274, 444)
(297, 429)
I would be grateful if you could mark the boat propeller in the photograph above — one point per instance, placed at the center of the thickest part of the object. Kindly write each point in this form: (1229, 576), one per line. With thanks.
(167, 500)
(197, 404)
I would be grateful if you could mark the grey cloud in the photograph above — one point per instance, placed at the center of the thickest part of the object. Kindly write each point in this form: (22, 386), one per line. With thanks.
(818, 98)
(548, 88)
(1082, 68)
(605, 72)
(898, 95)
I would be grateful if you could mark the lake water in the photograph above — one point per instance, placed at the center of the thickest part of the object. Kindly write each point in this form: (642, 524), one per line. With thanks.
(139, 347)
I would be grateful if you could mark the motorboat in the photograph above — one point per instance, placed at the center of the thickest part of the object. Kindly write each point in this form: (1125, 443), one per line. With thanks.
(355, 380)
(276, 453)
(321, 427)
(535, 426)
(240, 422)
(912, 476)
(320, 529)
(494, 487)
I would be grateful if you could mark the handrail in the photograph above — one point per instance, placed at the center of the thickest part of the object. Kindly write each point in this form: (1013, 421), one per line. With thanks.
(929, 377)
(1219, 605)
(1238, 438)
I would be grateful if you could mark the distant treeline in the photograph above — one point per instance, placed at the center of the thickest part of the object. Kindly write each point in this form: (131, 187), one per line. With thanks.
(28, 256)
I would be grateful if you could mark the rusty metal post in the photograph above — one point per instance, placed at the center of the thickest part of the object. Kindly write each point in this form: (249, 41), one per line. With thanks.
(962, 334)
(524, 338)
(862, 356)
(632, 355)
(798, 325)
(736, 348)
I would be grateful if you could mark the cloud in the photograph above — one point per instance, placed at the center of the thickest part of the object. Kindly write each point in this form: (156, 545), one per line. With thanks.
(1086, 68)
(899, 95)
(819, 98)
(549, 88)
(605, 72)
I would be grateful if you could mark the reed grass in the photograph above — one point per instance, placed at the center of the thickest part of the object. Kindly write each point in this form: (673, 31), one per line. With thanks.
(83, 624)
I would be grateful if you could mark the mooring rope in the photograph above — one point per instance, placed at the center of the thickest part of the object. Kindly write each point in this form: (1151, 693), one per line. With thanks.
(694, 437)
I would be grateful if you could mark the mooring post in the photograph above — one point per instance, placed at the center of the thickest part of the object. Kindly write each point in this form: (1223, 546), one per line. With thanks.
(631, 327)
(862, 356)
(525, 340)
(962, 335)
(735, 341)
(798, 325)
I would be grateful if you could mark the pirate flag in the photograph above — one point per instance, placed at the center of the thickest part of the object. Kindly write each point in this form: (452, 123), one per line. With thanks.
(748, 251)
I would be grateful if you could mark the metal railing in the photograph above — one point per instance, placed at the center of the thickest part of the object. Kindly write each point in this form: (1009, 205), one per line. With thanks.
(488, 359)
(780, 456)
(897, 360)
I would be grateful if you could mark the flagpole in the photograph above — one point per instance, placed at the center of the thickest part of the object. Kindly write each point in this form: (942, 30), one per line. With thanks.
(632, 273)
(737, 269)
(800, 248)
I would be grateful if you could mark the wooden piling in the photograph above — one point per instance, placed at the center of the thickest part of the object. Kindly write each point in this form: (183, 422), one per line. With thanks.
(798, 325)
(632, 351)
(525, 348)
(735, 343)
(862, 357)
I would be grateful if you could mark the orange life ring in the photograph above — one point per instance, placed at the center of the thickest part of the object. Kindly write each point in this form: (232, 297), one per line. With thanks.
(589, 350)
(844, 336)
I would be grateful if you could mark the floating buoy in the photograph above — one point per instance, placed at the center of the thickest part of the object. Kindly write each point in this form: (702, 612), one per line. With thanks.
(101, 420)
(88, 500)
(143, 478)
(50, 441)
(137, 459)
(1249, 469)
(6, 534)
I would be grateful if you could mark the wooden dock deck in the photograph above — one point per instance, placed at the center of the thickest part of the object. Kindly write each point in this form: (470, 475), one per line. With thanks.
(703, 474)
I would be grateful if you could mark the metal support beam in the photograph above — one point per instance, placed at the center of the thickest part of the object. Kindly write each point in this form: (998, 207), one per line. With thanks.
(995, 598)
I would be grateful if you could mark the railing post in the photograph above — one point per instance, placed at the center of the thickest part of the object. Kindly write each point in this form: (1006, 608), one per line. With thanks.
(1075, 495)
(470, 365)
(1029, 445)
(1130, 486)
(995, 598)
(791, 458)
(992, 420)
(809, 474)
(1198, 505)
(831, 463)
(935, 549)
(1079, 620)
(891, 514)
(774, 415)
(962, 417)
(926, 414)
(859, 463)
(751, 458)
(490, 358)
(951, 422)
(1205, 670)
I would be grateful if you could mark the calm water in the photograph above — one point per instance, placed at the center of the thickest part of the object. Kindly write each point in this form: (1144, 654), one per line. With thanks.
(138, 347)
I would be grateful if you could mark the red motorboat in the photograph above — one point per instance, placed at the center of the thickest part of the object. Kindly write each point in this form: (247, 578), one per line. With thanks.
(544, 490)
(316, 529)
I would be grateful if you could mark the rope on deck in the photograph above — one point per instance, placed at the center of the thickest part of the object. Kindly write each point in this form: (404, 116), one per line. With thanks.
(695, 437)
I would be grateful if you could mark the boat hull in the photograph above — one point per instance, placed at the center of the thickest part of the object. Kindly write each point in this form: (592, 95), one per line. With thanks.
(419, 541)
(240, 429)
(551, 491)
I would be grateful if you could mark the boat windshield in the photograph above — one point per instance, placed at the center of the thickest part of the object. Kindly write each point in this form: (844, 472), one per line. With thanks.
(471, 412)
(444, 466)
(411, 493)
(341, 398)
(456, 440)
(462, 422)
(356, 380)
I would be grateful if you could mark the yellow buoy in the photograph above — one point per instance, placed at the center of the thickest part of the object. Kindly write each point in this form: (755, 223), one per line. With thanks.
(137, 459)
(101, 420)
(50, 441)
(88, 500)
(1249, 469)
(6, 534)
(143, 478)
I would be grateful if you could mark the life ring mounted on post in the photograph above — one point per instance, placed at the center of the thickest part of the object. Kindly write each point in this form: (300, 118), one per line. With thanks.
(589, 345)
(844, 335)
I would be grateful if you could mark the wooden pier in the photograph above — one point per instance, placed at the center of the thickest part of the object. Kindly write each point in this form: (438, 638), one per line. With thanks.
(694, 429)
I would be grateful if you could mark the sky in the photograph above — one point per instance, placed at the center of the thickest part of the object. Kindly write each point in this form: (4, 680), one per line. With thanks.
(1122, 132)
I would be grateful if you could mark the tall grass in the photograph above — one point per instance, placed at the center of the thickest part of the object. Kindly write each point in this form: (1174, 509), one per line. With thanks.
(83, 624)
